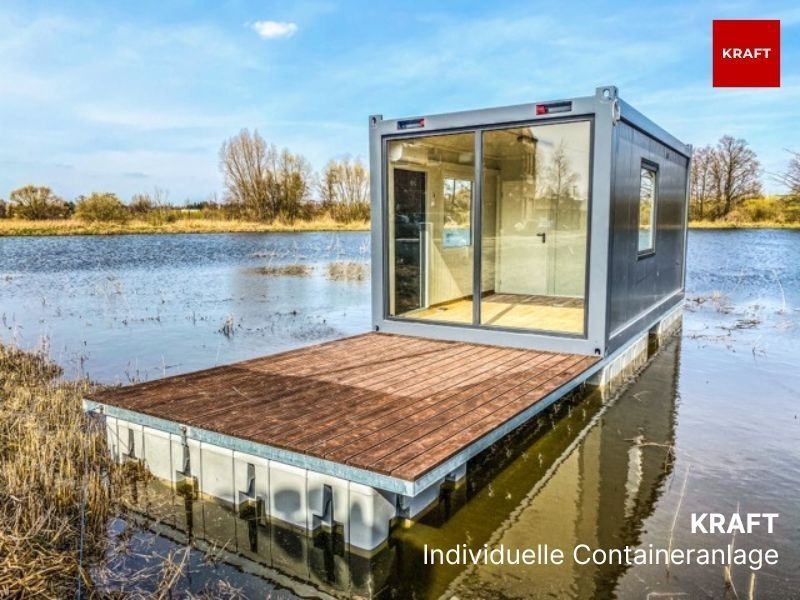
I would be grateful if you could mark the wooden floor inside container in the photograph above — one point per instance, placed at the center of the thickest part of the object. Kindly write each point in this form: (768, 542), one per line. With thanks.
(519, 311)
(391, 404)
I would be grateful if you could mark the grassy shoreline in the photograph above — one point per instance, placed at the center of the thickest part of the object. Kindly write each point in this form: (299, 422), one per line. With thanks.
(55, 480)
(26, 227)
(745, 225)
(59, 491)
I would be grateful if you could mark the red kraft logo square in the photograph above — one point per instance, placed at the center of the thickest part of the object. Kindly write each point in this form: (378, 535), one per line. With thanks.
(747, 53)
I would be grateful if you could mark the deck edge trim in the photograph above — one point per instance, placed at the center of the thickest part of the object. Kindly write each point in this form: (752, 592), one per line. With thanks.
(320, 465)
(478, 446)
(458, 459)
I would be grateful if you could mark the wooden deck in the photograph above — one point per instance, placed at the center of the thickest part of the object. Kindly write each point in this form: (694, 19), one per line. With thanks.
(391, 404)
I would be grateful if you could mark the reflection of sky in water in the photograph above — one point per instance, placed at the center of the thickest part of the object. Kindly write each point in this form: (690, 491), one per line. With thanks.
(140, 306)
(725, 398)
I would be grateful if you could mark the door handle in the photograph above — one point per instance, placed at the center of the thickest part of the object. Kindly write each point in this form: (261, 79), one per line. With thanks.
(542, 235)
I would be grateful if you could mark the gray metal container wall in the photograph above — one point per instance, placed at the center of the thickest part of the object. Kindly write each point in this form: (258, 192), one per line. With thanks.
(637, 284)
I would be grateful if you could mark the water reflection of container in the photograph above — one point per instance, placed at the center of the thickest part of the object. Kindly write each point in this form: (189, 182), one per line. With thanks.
(268, 550)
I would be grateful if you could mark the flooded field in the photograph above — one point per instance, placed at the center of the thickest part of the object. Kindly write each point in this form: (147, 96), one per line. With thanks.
(711, 425)
(131, 308)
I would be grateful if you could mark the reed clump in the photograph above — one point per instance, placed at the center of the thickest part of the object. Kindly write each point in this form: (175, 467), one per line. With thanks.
(56, 479)
(347, 271)
(296, 270)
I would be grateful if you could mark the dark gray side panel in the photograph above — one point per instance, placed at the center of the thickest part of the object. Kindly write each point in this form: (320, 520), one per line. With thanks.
(637, 284)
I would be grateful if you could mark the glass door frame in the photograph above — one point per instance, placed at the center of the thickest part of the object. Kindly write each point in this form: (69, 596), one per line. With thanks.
(476, 223)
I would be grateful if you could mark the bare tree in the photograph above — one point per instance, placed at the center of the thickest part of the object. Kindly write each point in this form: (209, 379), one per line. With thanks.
(293, 179)
(702, 189)
(559, 186)
(559, 178)
(140, 204)
(791, 177)
(264, 182)
(37, 202)
(147, 202)
(243, 161)
(345, 181)
(735, 170)
(344, 189)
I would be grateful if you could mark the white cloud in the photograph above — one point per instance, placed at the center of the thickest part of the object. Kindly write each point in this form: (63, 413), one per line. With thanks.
(274, 29)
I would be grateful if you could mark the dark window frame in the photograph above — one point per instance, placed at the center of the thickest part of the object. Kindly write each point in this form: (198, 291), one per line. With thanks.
(653, 168)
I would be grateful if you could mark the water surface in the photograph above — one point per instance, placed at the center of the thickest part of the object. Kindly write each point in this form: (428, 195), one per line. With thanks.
(712, 424)
(131, 308)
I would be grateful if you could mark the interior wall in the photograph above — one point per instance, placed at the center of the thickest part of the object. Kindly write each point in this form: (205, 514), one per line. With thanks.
(521, 262)
(541, 210)
(450, 269)
(638, 283)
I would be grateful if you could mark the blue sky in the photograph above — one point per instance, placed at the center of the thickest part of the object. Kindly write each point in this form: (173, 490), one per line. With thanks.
(125, 97)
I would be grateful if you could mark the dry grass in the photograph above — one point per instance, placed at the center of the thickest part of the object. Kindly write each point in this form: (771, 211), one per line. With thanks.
(187, 225)
(58, 489)
(348, 271)
(198, 225)
(55, 481)
(285, 270)
(743, 225)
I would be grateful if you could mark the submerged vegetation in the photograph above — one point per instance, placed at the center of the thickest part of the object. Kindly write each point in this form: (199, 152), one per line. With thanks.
(339, 270)
(297, 270)
(347, 271)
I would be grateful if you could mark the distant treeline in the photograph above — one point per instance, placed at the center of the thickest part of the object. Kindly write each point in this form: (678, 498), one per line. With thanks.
(726, 186)
(262, 183)
(267, 184)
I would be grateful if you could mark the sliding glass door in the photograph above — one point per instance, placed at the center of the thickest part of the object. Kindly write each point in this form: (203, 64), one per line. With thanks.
(532, 234)
(431, 194)
(535, 227)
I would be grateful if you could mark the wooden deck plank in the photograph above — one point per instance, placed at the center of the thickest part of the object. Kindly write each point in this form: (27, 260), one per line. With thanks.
(355, 396)
(455, 437)
(259, 385)
(383, 414)
(450, 372)
(428, 435)
(306, 384)
(396, 405)
(474, 390)
(151, 393)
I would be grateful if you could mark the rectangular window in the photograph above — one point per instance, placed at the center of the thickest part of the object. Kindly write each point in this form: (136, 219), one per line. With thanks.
(647, 208)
